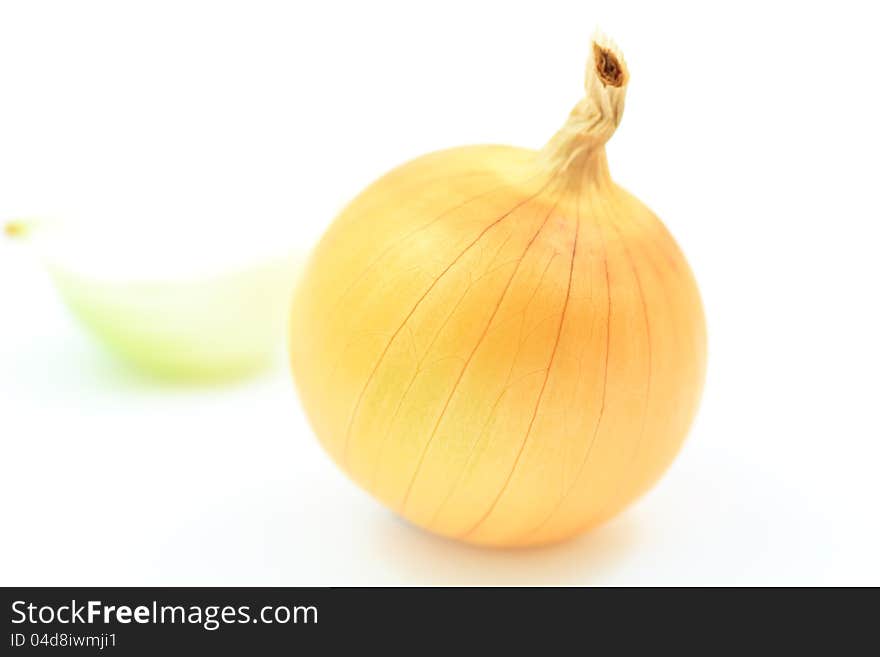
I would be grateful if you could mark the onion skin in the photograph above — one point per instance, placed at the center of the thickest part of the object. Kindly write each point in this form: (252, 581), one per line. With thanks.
(501, 344)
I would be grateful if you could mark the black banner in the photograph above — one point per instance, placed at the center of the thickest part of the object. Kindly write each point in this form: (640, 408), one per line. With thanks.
(134, 621)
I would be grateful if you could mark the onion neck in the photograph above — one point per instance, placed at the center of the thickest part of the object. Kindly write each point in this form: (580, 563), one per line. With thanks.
(578, 149)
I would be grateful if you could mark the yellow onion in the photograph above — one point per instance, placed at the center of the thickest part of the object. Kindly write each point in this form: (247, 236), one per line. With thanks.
(501, 344)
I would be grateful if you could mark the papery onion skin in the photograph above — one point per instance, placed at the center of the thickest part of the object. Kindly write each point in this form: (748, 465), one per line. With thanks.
(501, 344)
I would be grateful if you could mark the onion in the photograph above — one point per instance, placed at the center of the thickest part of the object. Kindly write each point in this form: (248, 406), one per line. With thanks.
(501, 344)
(216, 314)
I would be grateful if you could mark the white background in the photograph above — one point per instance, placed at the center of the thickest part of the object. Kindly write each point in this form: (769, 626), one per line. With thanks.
(752, 130)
